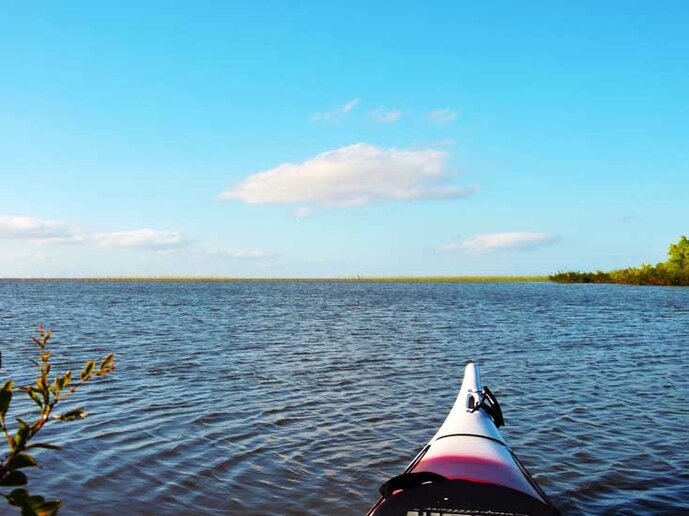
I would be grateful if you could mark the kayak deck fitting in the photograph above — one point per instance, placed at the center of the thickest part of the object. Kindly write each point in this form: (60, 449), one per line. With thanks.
(466, 468)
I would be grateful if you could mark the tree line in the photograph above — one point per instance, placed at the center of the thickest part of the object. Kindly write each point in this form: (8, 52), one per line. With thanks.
(672, 272)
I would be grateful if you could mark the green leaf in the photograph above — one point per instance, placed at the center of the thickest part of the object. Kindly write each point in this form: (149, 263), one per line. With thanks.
(88, 370)
(35, 501)
(72, 415)
(46, 446)
(41, 384)
(48, 508)
(14, 478)
(22, 460)
(23, 427)
(22, 433)
(107, 365)
(6, 397)
(34, 396)
(32, 505)
(62, 381)
(18, 497)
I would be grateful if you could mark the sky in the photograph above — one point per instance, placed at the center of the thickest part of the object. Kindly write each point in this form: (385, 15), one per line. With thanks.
(298, 139)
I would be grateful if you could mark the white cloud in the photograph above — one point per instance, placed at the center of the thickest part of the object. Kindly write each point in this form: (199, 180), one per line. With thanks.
(43, 231)
(350, 105)
(28, 228)
(303, 212)
(354, 175)
(500, 241)
(336, 113)
(149, 239)
(238, 254)
(385, 116)
(442, 116)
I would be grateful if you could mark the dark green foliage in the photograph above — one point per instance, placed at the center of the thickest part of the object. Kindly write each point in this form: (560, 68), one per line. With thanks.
(46, 393)
(679, 255)
(6, 397)
(32, 505)
(673, 272)
(14, 478)
(22, 460)
(72, 415)
(581, 277)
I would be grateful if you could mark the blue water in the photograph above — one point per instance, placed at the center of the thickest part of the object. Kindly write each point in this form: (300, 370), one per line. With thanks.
(303, 397)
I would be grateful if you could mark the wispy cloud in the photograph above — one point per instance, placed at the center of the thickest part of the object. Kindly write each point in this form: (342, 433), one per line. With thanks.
(354, 175)
(237, 254)
(442, 116)
(500, 241)
(44, 231)
(303, 212)
(336, 113)
(148, 239)
(350, 105)
(28, 228)
(385, 116)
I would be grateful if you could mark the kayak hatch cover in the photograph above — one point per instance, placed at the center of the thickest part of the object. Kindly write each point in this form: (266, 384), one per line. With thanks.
(467, 467)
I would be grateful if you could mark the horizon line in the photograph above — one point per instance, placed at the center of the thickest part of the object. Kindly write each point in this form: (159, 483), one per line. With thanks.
(434, 278)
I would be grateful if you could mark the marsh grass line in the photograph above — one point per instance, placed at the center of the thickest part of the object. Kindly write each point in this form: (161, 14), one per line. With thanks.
(353, 279)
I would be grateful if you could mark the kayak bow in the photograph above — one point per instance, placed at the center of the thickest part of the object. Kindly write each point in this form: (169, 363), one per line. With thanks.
(466, 468)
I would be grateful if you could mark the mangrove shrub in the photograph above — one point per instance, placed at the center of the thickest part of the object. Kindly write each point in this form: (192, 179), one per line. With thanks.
(673, 271)
(47, 392)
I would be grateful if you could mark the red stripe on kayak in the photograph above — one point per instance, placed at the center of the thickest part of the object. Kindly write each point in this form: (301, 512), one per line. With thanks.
(477, 469)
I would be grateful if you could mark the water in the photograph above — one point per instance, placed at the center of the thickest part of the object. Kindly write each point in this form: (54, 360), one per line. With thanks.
(302, 398)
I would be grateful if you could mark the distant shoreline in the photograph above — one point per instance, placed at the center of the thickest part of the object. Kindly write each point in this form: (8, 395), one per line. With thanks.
(673, 272)
(355, 279)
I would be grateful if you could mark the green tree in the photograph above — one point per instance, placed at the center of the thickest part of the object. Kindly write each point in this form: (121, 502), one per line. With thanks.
(674, 271)
(46, 393)
(678, 254)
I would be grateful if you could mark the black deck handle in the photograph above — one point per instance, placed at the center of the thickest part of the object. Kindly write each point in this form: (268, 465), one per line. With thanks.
(494, 409)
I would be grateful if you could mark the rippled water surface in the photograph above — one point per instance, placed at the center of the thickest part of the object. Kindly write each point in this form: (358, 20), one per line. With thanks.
(303, 397)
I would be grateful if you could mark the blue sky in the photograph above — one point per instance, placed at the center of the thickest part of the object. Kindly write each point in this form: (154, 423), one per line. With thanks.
(334, 139)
